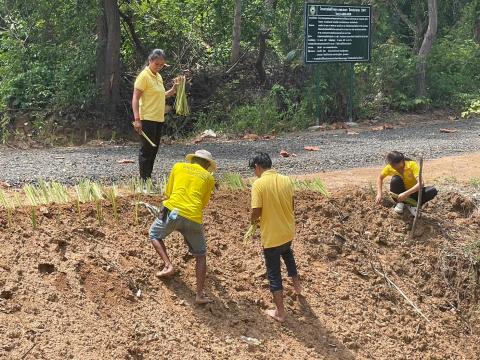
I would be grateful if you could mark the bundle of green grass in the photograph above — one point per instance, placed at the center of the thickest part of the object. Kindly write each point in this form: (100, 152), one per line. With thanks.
(181, 103)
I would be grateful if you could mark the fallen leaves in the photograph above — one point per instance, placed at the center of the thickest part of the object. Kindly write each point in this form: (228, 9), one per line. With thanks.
(311, 148)
(382, 127)
(4, 184)
(126, 161)
(448, 131)
(286, 154)
(207, 134)
(251, 137)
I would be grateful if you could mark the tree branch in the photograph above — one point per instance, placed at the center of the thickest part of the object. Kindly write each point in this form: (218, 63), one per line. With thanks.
(402, 16)
(136, 40)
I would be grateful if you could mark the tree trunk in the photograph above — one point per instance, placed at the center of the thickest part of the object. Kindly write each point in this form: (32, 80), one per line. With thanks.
(262, 47)
(101, 49)
(237, 30)
(477, 30)
(108, 58)
(426, 47)
(477, 24)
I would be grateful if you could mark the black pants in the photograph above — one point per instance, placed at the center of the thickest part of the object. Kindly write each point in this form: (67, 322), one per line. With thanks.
(146, 158)
(272, 261)
(397, 187)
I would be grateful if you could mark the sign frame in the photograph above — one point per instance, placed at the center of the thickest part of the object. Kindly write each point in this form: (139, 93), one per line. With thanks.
(306, 44)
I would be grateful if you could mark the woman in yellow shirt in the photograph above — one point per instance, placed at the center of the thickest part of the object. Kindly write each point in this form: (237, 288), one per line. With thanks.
(148, 104)
(404, 183)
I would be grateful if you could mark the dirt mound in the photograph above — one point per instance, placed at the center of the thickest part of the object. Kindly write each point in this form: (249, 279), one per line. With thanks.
(76, 289)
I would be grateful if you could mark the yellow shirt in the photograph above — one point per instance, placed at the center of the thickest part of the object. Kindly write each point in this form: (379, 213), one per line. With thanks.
(152, 102)
(188, 189)
(273, 193)
(409, 176)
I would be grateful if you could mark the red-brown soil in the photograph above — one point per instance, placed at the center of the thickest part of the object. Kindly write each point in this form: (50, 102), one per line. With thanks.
(68, 290)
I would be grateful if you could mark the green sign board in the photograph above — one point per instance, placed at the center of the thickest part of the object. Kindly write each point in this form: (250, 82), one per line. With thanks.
(337, 33)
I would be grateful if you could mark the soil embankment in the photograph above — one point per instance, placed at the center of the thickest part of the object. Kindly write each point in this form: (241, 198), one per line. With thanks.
(76, 289)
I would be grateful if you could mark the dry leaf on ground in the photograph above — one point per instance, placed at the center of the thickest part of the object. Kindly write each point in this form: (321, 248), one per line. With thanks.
(448, 131)
(126, 161)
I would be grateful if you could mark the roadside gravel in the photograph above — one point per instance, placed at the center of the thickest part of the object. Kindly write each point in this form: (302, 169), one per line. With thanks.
(338, 150)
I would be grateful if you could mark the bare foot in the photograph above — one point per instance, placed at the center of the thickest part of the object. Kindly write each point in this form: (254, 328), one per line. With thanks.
(274, 315)
(297, 286)
(166, 272)
(202, 300)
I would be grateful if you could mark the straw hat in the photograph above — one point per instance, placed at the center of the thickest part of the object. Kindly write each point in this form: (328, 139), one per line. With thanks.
(203, 154)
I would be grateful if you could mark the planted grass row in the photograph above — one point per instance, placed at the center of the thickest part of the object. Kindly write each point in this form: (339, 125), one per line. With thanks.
(234, 181)
(88, 191)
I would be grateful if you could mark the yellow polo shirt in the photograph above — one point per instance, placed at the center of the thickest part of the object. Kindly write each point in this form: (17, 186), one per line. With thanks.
(273, 193)
(152, 101)
(189, 189)
(409, 176)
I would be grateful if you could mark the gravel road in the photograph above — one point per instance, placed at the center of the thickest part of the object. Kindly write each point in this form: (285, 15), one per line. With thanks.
(338, 151)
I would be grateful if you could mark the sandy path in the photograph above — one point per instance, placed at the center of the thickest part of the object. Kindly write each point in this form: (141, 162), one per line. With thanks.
(462, 168)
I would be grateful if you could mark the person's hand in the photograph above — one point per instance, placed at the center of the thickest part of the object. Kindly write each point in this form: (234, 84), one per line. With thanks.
(379, 197)
(177, 81)
(137, 125)
(402, 197)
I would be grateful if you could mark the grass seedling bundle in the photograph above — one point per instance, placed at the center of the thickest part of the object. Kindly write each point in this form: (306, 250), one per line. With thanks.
(181, 103)
(33, 197)
(8, 205)
(233, 181)
(97, 195)
(112, 194)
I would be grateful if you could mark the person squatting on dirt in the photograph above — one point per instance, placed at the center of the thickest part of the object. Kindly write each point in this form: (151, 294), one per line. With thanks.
(188, 192)
(404, 185)
(148, 105)
(273, 205)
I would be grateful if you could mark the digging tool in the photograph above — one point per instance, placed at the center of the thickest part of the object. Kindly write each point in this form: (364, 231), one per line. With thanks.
(420, 193)
(155, 211)
(147, 138)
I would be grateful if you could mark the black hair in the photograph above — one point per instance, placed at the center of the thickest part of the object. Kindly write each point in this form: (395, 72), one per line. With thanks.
(261, 159)
(396, 157)
(156, 54)
(201, 161)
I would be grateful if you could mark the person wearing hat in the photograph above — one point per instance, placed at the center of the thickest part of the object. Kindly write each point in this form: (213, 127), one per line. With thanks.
(148, 105)
(188, 192)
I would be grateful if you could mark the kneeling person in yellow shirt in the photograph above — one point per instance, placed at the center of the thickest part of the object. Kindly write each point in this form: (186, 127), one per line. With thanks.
(273, 204)
(404, 184)
(188, 191)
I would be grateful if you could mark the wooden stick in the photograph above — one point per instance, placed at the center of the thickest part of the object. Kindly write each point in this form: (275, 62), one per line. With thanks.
(28, 352)
(147, 138)
(387, 279)
(419, 202)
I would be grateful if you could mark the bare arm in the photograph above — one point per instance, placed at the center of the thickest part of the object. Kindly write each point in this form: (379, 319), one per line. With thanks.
(137, 94)
(379, 188)
(256, 214)
(403, 196)
(173, 90)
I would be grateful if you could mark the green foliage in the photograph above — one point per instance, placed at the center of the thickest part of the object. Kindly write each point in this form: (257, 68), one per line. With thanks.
(278, 111)
(475, 182)
(472, 110)
(46, 57)
(48, 61)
